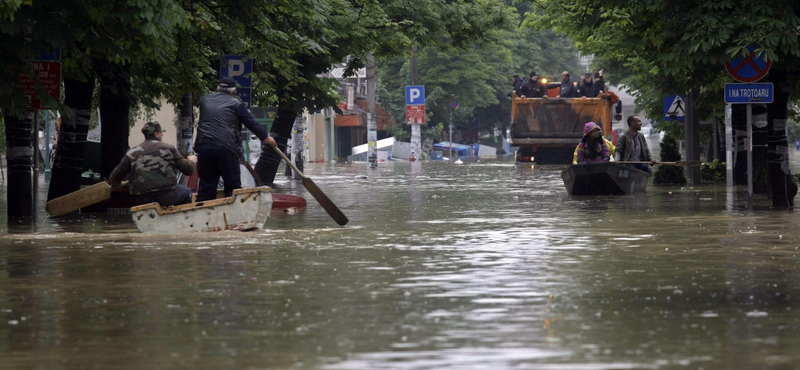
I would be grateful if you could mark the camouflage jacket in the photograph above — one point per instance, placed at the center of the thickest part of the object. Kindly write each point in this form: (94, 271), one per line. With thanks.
(152, 166)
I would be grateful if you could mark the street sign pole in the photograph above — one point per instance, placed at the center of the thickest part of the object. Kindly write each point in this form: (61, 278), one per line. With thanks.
(729, 155)
(750, 152)
(749, 94)
(450, 158)
(35, 142)
(415, 116)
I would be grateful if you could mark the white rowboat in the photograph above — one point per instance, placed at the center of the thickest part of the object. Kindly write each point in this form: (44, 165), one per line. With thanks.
(246, 209)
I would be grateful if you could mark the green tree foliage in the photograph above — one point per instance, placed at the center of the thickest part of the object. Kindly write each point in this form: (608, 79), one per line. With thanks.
(660, 48)
(479, 75)
(669, 153)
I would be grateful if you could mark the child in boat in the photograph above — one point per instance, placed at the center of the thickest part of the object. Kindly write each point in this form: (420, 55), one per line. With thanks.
(593, 147)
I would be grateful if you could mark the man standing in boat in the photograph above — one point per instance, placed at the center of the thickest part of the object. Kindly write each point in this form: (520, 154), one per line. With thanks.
(152, 170)
(219, 139)
(632, 146)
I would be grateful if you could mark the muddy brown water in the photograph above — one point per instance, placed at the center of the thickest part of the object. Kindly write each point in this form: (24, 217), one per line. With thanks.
(479, 266)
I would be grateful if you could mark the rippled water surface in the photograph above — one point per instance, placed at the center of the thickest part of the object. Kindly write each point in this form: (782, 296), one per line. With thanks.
(478, 266)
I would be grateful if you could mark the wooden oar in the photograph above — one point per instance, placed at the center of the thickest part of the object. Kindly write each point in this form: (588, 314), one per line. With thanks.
(679, 164)
(79, 199)
(253, 172)
(312, 188)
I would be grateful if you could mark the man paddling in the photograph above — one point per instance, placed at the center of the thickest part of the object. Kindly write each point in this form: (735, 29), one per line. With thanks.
(632, 146)
(152, 170)
(219, 139)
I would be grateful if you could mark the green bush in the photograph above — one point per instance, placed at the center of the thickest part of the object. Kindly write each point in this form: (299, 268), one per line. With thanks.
(671, 175)
(713, 172)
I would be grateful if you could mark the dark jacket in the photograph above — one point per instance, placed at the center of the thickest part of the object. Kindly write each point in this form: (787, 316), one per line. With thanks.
(567, 88)
(625, 145)
(220, 124)
(599, 85)
(585, 90)
(152, 167)
(517, 85)
(531, 89)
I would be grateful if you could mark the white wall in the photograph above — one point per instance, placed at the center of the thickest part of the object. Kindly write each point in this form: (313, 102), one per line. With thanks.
(166, 116)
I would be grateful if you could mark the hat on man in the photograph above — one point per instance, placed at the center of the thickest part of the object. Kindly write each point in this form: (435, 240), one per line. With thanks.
(533, 73)
(226, 81)
(150, 128)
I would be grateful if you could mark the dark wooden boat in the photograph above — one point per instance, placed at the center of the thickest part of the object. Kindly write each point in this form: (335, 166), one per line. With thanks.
(606, 178)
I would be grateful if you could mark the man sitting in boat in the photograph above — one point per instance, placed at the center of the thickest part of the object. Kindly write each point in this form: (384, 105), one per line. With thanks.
(611, 150)
(593, 147)
(632, 146)
(151, 168)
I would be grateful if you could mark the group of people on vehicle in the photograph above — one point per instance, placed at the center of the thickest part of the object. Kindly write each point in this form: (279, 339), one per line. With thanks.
(588, 87)
(631, 146)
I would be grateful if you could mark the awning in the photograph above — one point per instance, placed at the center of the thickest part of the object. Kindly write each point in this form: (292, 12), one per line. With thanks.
(348, 121)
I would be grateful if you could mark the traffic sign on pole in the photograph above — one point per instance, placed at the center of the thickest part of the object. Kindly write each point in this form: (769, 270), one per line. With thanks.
(415, 105)
(415, 114)
(49, 74)
(240, 68)
(750, 68)
(415, 95)
(763, 93)
(674, 108)
(53, 55)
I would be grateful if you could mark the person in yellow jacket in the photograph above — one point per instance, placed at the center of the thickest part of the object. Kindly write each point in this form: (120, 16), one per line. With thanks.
(611, 148)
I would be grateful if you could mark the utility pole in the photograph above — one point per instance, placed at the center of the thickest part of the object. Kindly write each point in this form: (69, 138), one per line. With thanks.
(185, 129)
(372, 131)
(416, 137)
(297, 145)
(451, 138)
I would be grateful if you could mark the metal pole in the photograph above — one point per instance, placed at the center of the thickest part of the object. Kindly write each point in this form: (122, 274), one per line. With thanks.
(728, 147)
(35, 142)
(451, 138)
(329, 138)
(750, 150)
(372, 133)
(47, 146)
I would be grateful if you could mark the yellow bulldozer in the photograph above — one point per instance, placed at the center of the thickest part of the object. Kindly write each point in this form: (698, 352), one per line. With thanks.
(547, 130)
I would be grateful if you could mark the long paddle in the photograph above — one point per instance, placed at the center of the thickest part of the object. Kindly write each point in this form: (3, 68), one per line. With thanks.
(679, 164)
(253, 172)
(312, 188)
(79, 199)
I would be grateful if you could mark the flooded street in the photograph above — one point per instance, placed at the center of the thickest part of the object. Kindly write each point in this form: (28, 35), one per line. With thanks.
(476, 266)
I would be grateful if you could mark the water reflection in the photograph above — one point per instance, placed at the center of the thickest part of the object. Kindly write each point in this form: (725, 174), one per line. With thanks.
(483, 265)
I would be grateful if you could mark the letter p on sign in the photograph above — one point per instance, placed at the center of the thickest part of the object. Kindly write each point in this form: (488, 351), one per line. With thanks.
(235, 68)
(415, 95)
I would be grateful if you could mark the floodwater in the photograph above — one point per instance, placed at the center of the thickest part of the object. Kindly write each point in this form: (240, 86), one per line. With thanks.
(475, 266)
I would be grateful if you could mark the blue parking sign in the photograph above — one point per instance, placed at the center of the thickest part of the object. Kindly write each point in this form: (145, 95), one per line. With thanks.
(238, 67)
(415, 95)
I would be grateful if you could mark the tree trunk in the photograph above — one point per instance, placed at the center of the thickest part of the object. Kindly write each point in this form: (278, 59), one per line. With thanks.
(19, 158)
(268, 162)
(115, 106)
(68, 162)
(781, 184)
(185, 129)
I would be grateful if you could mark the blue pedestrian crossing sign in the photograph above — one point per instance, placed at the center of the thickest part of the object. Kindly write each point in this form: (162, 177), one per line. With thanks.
(674, 108)
(415, 95)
